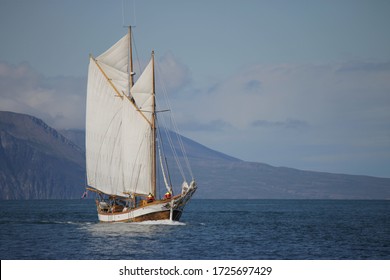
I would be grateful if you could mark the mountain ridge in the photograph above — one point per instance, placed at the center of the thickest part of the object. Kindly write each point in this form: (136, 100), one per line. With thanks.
(40, 162)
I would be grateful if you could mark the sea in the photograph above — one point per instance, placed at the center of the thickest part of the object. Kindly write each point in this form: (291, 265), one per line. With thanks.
(208, 230)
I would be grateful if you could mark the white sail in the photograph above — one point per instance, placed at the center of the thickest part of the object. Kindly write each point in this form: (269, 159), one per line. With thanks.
(118, 55)
(119, 133)
(137, 133)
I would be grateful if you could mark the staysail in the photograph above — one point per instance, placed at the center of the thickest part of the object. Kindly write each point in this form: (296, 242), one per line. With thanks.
(120, 137)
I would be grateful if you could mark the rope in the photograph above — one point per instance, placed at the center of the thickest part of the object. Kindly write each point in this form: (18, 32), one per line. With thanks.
(136, 54)
(172, 146)
(123, 13)
(175, 127)
(163, 153)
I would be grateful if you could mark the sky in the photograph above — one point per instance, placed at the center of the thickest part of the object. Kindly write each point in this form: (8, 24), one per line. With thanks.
(302, 84)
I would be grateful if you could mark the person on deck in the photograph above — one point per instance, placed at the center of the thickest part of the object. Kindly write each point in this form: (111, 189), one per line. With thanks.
(167, 195)
(150, 198)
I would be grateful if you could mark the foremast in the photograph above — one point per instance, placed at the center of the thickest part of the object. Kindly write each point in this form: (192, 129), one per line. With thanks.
(131, 69)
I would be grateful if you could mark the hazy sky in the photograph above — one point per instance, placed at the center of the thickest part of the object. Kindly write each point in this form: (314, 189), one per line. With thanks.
(303, 84)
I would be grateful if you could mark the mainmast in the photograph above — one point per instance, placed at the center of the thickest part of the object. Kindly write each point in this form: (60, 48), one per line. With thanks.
(154, 163)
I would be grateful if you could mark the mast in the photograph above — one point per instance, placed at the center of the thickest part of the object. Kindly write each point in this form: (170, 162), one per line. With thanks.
(131, 73)
(154, 163)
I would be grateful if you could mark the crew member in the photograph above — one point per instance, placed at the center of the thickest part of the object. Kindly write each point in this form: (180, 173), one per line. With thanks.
(150, 198)
(167, 195)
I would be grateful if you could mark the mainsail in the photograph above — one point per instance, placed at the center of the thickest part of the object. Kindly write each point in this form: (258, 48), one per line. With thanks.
(120, 127)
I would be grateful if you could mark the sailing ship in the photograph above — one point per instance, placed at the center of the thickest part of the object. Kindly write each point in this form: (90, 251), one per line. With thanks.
(122, 148)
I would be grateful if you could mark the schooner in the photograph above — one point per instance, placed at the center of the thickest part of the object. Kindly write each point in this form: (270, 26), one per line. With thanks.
(122, 150)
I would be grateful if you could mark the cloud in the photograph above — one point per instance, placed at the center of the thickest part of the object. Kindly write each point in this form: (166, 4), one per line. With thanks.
(296, 95)
(285, 114)
(213, 125)
(175, 74)
(365, 66)
(60, 101)
(252, 86)
(289, 124)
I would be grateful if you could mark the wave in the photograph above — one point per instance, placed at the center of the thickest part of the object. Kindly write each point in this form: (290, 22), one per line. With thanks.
(161, 222)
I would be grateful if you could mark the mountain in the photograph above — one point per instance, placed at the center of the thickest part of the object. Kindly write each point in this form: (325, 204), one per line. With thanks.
(36, 161)
(259, 180)
(222, 176)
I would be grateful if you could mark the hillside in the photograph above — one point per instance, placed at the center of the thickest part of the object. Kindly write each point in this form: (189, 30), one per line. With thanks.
(38, 162)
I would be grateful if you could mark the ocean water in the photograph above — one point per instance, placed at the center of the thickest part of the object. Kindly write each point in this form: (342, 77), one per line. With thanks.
(209, 229)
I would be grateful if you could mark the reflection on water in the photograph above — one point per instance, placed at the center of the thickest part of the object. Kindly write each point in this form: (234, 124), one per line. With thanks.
(143, 240)
(130, 229)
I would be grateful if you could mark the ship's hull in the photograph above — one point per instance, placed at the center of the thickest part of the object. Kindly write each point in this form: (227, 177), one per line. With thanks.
(150, 212)
(170, 209)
